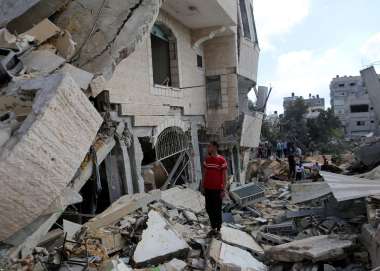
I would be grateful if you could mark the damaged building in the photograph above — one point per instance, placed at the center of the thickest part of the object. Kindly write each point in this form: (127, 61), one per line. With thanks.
(105, 98)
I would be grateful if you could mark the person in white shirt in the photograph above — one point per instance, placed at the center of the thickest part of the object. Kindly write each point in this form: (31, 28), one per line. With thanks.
(300, 170)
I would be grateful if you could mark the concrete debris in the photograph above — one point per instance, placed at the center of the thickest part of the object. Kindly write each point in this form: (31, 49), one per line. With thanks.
(122, 207)
(175, 265)
(81, 77)
(315, 249)
(227, 256)
(7, 40)
(158, 242)
(184, 198)
(42, 62)
(349, 187)
(121, 29)
(65, 45)
(241, 239)
(59, 107)
(42, 31)
(70, 229)
(303, 192)
(11, 9)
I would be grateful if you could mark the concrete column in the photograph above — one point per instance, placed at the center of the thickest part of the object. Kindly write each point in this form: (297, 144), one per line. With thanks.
(127, 167)
(196, 157)
(138, 157)
(246, 154)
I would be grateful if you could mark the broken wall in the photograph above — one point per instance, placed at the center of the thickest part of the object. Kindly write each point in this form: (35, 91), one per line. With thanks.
(38, 162)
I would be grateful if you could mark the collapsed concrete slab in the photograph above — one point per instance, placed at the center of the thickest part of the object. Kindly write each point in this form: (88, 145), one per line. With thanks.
(346, 187)
(240, 238)
(227, 256)
(316, 248)
(184, 198)
(122, 207)
(42, 62)
(10, 9)
(42, 156)
(303, 192)
(120, 26)
(159, 242)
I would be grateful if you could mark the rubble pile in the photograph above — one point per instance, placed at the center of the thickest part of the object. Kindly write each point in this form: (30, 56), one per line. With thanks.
(169, 230)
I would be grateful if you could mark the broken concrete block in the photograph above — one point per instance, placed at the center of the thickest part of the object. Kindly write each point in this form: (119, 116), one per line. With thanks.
(175, 265)
(302, 192)
(81, 77)
(122, 27)
(10, 9)
(240, 238)
(42, 31)
(70, 229)
(43, 62)
(316, 248)
(368, 239)
(114, 265)
(97, 85)
(65, 45)
(184, 198)
(226, 256)
(122, 207)
(7, 40)
(159, 242)
(43, 155)
(190, 216)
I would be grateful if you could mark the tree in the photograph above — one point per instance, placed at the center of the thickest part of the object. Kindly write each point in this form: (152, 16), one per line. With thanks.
(323, 134)
(293, 123)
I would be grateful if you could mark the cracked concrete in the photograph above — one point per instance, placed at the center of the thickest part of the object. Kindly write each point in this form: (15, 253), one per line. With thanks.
(107, 31)
(35, 165)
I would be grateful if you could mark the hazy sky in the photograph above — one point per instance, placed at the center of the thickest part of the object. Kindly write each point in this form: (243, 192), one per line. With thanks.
(305, 43)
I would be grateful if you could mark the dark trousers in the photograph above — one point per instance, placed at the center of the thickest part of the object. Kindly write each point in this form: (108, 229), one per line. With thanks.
(214, 207)
(292, 166)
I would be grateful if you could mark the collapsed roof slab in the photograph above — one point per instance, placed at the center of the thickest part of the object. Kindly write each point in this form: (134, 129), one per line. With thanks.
(10, 9)
(41, 158)
(107, 31)
(346, 187)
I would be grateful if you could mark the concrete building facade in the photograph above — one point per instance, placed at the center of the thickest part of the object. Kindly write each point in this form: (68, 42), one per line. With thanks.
(186, 84)
(353, 106)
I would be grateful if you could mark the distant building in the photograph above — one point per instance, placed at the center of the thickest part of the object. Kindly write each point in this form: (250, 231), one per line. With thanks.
(315, 104)
(352, 105)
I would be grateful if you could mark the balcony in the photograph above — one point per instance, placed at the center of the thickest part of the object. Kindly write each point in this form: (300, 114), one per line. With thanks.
(196, 14)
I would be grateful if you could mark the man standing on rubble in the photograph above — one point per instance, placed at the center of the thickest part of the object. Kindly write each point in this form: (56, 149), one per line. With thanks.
(214, 184)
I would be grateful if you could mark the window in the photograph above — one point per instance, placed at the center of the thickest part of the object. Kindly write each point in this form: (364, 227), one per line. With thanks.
(372, 121)
(359, 108)
(213, 89)
(341, 85)
(244, 19)
(164, 56)
(199, 61)
(360, 123)
(371, 108)
(352, 84)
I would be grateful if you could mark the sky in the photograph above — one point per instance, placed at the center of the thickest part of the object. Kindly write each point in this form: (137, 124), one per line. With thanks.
(305, 43)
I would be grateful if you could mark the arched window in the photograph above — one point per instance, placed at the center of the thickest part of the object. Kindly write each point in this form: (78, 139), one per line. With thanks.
(164, 56)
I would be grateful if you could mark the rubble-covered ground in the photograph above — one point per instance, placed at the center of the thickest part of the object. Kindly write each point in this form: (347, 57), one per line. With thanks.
(168, 230)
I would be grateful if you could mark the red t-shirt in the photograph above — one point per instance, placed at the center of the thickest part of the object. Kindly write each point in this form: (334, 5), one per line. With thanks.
(214, 167)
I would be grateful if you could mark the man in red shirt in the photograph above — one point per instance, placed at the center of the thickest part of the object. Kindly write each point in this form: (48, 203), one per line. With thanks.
(214, 184)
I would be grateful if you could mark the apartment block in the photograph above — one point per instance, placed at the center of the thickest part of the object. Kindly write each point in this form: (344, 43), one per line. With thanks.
(353, 106)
